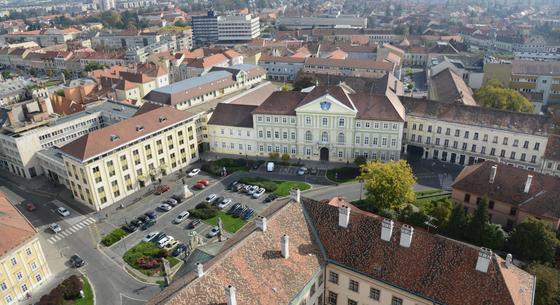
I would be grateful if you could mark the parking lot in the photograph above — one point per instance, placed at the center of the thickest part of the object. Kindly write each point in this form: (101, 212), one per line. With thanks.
(165, 219)
(293, 170)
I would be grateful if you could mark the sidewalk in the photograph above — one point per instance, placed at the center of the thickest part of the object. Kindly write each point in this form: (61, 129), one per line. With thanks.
(210, 156)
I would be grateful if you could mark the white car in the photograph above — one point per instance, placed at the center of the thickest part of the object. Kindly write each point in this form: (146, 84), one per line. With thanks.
(55, 227)
(211, 197)
(259, 193)
(301, 171)
(63, 211)
(194, 172)
(150, 236)
(224, 203)
(213, 232)
(165, 207)
(253, 189)
(164, 241)
(181, 217)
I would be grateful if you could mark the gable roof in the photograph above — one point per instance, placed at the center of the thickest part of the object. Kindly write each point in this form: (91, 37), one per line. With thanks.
(337, 92)
(108, 138)
(433, 267)
(449, 87)
(15, 228)
(233, 115)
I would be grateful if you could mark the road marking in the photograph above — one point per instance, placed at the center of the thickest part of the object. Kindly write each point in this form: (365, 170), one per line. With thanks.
(50, 241)
(73, 229)
(65, 233)
(90, 220)
(79, 226)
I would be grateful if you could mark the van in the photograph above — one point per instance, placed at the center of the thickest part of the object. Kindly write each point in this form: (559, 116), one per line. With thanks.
(270, 166)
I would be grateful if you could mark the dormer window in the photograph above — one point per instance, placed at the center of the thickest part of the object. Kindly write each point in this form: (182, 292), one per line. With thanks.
(139, 127)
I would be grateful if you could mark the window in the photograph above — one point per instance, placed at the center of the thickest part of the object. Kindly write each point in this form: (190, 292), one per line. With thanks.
(457, 132)
(325, 137)
(9, 299)
(505, 141)
(526, 144)
(353, 285)
(341, 122)
(28, 251)
(421, 127)
(491, 204)
(447, 131)
(312, 289)
(352, 302)
(513, 211)
(13, 261)
(537, 145)
(19, 275)
(512, 155)
(23, 288)
(332, 299)
(438, 130)
(366, 140)
(308, 136)
(276, 135)
(340, 138)
(502, 153)
(357, 139)
(307, 120)
(429, 128)
(533, 159)
(325, 121)
(38, 277)
(466, 134)
(33, 265)
(3, 286)
(515, 143)
(475, 136)
(333, 277)
(396, 301)
(374, 294)
(467, 198)
(260, 133)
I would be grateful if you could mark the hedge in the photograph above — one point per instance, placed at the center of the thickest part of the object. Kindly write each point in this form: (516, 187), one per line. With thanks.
(113, 237)
(204, 210)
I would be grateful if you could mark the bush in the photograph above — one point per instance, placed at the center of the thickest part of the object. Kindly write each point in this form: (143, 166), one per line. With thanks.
(203, 205)
(163, 253)
(203, 213)
(113, 237)
(71, 287)
(285, 157)
(146, 262)
(274, 155)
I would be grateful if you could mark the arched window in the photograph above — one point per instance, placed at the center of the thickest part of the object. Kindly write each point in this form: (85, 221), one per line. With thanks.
(308, 136)
(341, 138)
(325, 137)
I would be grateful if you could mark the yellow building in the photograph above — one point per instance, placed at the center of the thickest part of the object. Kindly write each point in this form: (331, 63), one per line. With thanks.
(111, 163)
(22, 262)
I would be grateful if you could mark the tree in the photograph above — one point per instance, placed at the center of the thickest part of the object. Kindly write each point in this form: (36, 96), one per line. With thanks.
(304, 82)
(6, 74)
(66, 73)
(478, 222)
(360, 160)
(458, 222)
(495, 95)
(548, 284)
(49, 73)
(441, 211)
(388, 185)
(534, 240)
(285, 157)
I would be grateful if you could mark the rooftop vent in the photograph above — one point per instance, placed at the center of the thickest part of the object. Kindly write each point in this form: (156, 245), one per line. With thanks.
(387, 229)
(344, 216)
(162, 119)
(139, 127)
(528, 184)
(484, 260)
(114, 137)
(285, 246)
(230, 295)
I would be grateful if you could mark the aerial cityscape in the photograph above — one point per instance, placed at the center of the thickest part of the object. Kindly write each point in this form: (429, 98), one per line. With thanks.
(262, 152)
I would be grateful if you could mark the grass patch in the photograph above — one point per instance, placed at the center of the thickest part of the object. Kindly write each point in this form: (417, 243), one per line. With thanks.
(173, 261)
(88, 294)
(231, 224)
(343, 174)
(428, 192)
(423, 202)
(284, 187)
(231, 165)
(143, 249)
(113, 237)
(204, 210)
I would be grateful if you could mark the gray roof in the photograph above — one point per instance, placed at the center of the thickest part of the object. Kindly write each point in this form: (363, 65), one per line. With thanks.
(194, 82)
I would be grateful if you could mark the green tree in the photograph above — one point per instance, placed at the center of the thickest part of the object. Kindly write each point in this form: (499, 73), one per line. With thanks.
(494, 95)
(478, 222)
(285, 157)
(360, 160)
(458, 222)
(493, 237)
(49, 73)
(534, 240)
(304, 82)
(388, 185)
(6, 74)
(66, 73)
(548, 284)
(441, 211)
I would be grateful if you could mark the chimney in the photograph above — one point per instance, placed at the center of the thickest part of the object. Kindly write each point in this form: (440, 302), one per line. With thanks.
(230, 295)
(285, 246)
(199, 270)
(509, 260)
(484, 259)
(295, 195)
(493, 173)
(406, 235)
(261, 223)
(344, 216)
(386, 229)
(528, 184)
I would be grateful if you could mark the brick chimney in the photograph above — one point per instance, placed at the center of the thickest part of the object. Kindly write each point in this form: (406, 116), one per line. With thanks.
(406, 235)
(285, 246)
(484, 260)
(387, 229)
(528, 184)
(230, 295)
(344, 216)
(493, 172)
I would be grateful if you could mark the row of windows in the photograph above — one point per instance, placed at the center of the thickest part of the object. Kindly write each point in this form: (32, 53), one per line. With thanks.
(374, 293)
(9, 299)
(475, 136)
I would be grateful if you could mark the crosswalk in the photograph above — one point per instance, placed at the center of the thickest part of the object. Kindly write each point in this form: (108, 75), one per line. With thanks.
(73, 229)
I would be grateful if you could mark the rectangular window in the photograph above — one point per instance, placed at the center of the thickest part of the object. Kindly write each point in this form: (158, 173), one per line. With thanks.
(352, 302)
(28, 251)
(467, 198)
(374, 294)
(537, 146)
(333, 277)
(438, 130)
(457, 132)
(325, 121)
(332, 298)
(505, 141)
(396, 301)
(353, 285)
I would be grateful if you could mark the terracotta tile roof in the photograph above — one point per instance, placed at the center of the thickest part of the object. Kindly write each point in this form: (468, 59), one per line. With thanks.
(135, 77)
(106, 139)
(233, 115)
(552, 151)
(255, 267)
(286, 59)
(337, 54)
(378, 107)
(449, 87)
(231, 53)
(15, 228)
(209, 61)
(508, 186)
(480, 116)
(350, 63)
(433, 267)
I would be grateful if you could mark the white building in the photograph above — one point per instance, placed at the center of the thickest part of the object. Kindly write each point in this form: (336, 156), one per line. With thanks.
(238, 28)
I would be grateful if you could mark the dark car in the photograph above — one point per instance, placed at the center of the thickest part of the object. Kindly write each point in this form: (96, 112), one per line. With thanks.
(151, 214)
(233, 208)
(180, 249)
(76, 261)
(147, 224)
(232, 185)
(256, 165)
(136, 222)
(313, 171)
(270, 198)
(158, 237)
(129, 228)
(195, 222)
(142, 218)
(218, 200)
(178, 197)
(162, 189)
(239, 211)
(247, 214)
(238, 187)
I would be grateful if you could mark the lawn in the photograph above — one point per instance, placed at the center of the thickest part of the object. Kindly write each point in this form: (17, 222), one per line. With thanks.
(113, 237)
(88, 294)
(428, 192)
(421, 203)
(143, 249)
(231, 224)
(173, 261)
(231, 165)
(280, 188)
(345, 174)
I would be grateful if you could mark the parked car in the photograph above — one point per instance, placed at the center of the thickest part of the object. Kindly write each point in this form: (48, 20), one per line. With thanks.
(181, 248)
(247, 214)
(136, 222)
(313, 171)
(240, 211)
(270, 198)
(252, 190)
(55, 227)
(150, 222)
(213, 232)
(150, 236)
(77, 261)
(178, 197)
(270, 166)
(143, 218)
(232, 185)
(195, 222)
(151, 214)
(218, 200)
(233, 208)
(172, 202)
(199, 186)
(238, 187)
(181, 217)
(211, 197)
(301, 171)
(159, 237)
(247, 188)
(224, 203)
(164, 241)
(30, 207)
(129, 228)
(204, 182)
(259, 193)
(165, 207)
(172, 243)
(194, 172)
(162, 189)
(63, 211)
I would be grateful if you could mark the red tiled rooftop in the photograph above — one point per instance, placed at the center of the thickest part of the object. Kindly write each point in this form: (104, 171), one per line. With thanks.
(15, 228)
